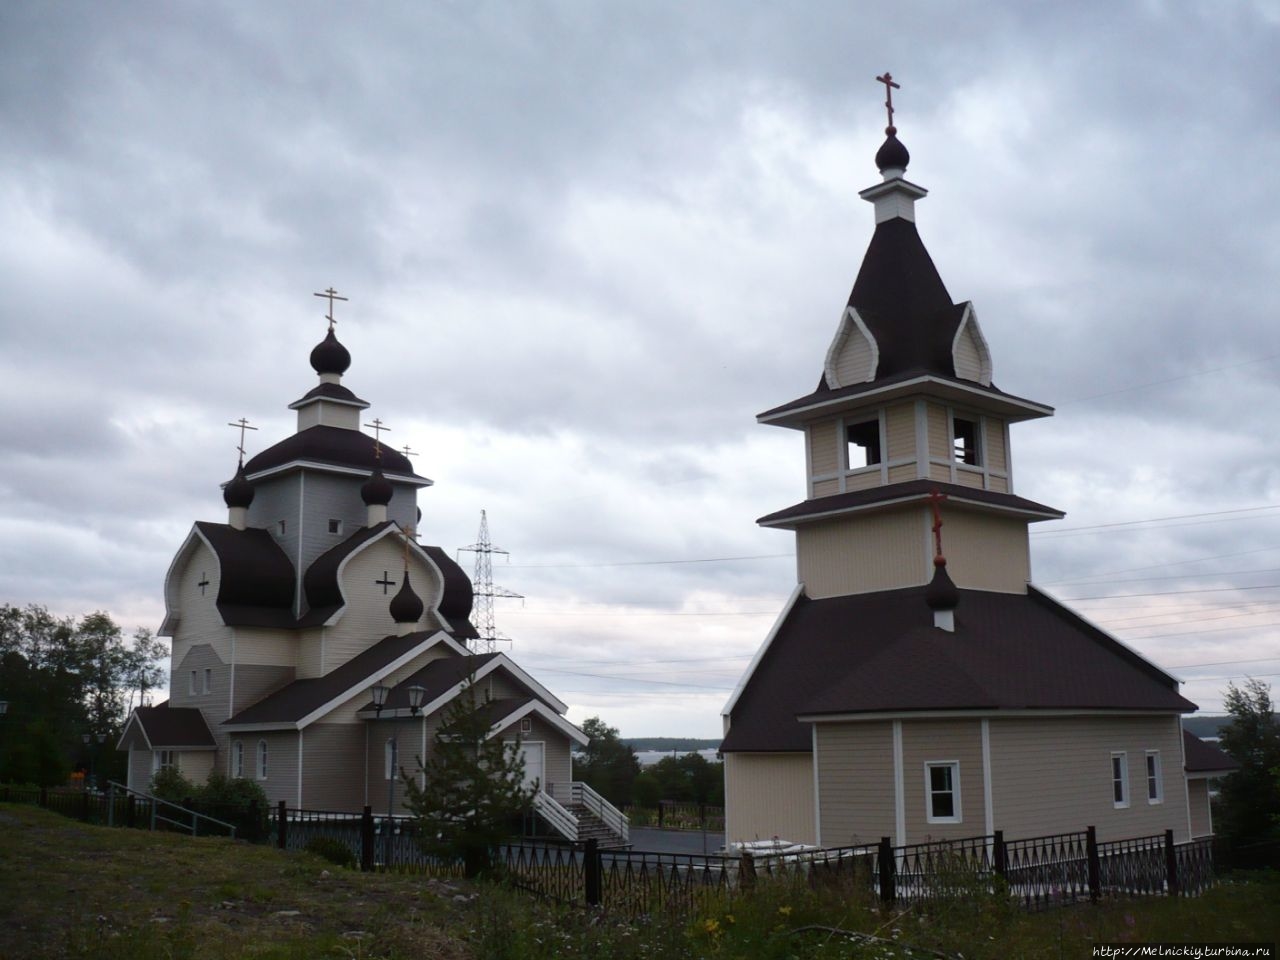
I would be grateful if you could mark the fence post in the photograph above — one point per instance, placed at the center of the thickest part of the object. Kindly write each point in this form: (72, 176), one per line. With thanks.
(282, 826)
(84, 805)
(660, 802)
(366, 839)
(887, 871)
(1095, 867)
(747, 874)
(591, 870)
(1000, 860)
(111, 804)
(1171, 864)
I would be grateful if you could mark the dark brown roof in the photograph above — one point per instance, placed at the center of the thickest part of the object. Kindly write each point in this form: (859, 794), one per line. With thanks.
(458, 594)
(329, 391)
(879, 652)
(169, 727)
(1204, 757)
(257, 581)
(438, 677)
(910, 490)
(332, 445)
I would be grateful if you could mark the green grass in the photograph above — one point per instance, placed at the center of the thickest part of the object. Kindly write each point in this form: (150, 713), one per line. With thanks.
(71, 890)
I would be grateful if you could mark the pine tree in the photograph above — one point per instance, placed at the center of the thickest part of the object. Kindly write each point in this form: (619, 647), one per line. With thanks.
(473, 787)
(1250, 797)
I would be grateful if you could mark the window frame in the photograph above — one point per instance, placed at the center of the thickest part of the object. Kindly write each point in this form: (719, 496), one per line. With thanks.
(1155, 779)
(237, 760)
(335, 526)
(260, 760)
(1120, 779)
(207, 680)
(975, 450)
(957, 813)
(164, 760)
(875, 447)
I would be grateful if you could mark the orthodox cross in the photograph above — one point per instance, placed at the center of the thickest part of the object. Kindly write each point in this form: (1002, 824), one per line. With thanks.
(204, 582)
(385, 582)
(331, 295)
(409, 453)
(243, 424)
(378, 430)
(408, 534)
(889, 87)
(935, 500)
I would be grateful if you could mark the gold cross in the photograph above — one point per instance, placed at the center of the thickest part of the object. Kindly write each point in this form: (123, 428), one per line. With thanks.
(407, 534)
(243, 424)
(936, 499)
(378, 430)
(889, 87)
(331, 295)
(409, 453)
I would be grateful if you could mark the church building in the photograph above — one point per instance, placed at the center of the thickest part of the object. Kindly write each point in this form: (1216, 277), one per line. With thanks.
(316, 643)
(916, 684)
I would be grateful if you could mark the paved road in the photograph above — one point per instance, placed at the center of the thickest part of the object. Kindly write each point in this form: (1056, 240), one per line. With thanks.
(652, 840)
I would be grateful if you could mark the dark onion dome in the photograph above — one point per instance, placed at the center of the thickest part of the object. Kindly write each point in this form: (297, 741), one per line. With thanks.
(239, 491)
(406, 607)
(459, 596)
(892, 154)
(329, 356)
(941, 593)
(377, 490)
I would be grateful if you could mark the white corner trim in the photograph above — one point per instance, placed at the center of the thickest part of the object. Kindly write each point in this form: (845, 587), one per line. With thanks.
(987, 804)
(545, 713)
(817, 791)
(1186, 781)
(763, 649)
(899, 800)
(969, 319)
(133, 718)
(181, 559)
(849, 321)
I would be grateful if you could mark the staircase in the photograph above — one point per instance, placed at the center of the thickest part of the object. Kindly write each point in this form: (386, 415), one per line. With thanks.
(591, 827)
(578, 813)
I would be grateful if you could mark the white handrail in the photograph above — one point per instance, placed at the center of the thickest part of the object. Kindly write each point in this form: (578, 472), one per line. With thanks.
(613, 818)
(557, 816)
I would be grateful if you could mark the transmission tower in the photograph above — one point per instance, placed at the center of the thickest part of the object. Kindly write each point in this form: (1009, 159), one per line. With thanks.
(484, 590)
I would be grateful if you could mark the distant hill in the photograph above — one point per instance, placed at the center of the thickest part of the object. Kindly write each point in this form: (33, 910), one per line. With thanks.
(679, 744)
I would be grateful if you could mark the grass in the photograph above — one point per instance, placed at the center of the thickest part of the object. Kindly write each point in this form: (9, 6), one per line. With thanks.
(72, 890)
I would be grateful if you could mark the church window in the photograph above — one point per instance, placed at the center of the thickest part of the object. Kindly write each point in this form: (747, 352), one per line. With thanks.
(262, 759)
(1155, 789)
(237, 759)
(965, 441)
(208, 680)
(942, 791)
(862, 444)
(335, 526)
(1120, 779)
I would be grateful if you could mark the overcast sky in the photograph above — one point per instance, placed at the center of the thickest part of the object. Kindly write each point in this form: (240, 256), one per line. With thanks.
(585, 243)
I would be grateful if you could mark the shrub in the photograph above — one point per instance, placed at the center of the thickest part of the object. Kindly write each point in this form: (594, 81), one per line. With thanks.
(169, 784)
(332, 849)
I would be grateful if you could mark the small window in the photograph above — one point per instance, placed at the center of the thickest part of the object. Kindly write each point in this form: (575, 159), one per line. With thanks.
(262, 759)
(1120, 779)
(237, 759)
(191, 687)
(208, 679)
(389, 760)
(281, 526)
(965, 439)
(1155, 788)
(526, 725)
(164, 760)
(335, 526)
(942, 791)
(863, 444)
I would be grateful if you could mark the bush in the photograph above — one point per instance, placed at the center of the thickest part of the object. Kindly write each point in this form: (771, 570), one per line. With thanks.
(332, 849)
(169, 784)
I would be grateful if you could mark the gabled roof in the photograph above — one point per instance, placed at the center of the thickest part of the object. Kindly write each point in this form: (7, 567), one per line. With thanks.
(302, 701)
(1204, 759)
(445, 679)
(351, 451)
(878, 654)
(905, 492)
(169, 728)
(505, 713)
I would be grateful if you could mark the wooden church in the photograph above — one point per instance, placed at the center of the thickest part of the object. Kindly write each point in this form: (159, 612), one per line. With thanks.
(917, 685)
(317, 644)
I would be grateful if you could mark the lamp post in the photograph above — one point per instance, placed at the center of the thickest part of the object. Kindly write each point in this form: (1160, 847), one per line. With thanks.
(380, 692)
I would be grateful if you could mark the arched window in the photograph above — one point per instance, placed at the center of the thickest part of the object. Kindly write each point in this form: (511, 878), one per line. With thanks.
(237, 759)
(262, 759)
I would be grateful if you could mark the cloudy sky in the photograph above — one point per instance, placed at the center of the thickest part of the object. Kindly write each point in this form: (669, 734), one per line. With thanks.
(585, 243)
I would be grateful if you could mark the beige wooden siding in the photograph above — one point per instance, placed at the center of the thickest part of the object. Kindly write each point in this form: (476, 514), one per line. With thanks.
(854, 555)
(216, 703)
(1053, 775)
(826, 488)
(853, 362)
(266, 647)
(940, 472)
(997, 455)
(925, 741)
(998, 484)
(862, 481)
(346, 712)
(986, 552)
(967, 355)
(333, 757)
(139, 775)
(824, 449)
(281, 782)
(1201, 818)
(855, 780)
(199, 620)
(902, 473)
(252, 683)
(900, 426)
(196, 765)
(769, 795)
(557, 766)
(970, 478)
(940, 439)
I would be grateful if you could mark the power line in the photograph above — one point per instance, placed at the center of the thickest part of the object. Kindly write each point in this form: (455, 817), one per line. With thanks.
(645, 563)
(1172, 593)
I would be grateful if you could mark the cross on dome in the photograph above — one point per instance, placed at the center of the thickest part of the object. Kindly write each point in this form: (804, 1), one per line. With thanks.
(935, 500)
(378, 429)
(243, 425)
(889, 86)
(331, 295)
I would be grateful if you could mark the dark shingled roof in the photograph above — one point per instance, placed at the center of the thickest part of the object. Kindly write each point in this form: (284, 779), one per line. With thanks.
(168, 727)
(331, 445)
(908, 490)
(878, 652)
(1204, 757)
(458, 593)
(256, 588)
(437, 677)
(328, 391)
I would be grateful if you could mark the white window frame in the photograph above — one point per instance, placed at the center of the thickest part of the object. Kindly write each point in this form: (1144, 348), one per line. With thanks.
(191, 687)
(237, 759)
(956, 812)
(207, 680)
(261, 760)
(163, 760)
(388, 763)
(526, 725)
(1120, 779)
(1155, 780)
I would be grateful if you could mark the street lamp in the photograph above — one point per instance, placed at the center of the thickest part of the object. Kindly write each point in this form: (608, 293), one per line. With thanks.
(380, 692)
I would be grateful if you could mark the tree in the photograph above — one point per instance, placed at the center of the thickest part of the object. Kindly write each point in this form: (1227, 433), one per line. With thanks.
(1249, 801)
(691, 778)
(473, 787)
(608, 765)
